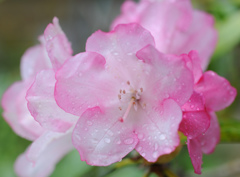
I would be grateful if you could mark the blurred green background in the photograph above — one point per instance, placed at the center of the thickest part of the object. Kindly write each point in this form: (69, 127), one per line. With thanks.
(21, 22)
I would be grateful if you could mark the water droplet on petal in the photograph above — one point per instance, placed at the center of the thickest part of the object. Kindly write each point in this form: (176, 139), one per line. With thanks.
(155, 154)
(167, 150)
(162, 137)
(107, 140)
(119, 142)
(143, 154)
(78, 137)
(89, 123)
(110, 133)
(139, 148)
(128, 141)
(155, 146)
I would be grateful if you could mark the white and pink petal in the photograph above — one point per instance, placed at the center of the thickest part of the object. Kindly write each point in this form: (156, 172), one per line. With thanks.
(16, 112)
(169, 77)
(216, 91)
(42, 104)
(83, 82)
(101, 138)
(157, 130)
(57, 45)
(42, 156)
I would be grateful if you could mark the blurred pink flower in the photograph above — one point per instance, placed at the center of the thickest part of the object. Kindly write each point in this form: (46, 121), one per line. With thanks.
(127, 94)
(176, 27)
(46, 143)
(211, 93)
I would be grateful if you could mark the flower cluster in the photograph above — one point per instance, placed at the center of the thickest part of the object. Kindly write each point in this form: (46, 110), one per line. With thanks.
(134, 87)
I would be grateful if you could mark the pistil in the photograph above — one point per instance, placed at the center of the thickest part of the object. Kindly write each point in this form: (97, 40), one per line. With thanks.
(131, 103)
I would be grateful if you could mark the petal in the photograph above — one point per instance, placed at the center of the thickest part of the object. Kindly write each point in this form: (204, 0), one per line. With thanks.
(42, 104)
(195, 152)
(211, 137)
(194, 64)
(216, 90)
(16, 112)
(34, 60)
(194, 123)
(195, 103)
(83, 82)
(200, 36)
(195, 117)
(45, 153)
(161, 18)
(176, 27)
(101, 138)
(120, 45)
(157, 130)
(57, 45)
(169, 75)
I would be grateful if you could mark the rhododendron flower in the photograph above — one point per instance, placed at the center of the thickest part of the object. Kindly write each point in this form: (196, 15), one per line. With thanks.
(33, 161)
(211, 93)
(127, 94)
(175, 26)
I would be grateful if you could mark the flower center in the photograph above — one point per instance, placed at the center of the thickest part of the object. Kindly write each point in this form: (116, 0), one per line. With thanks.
(135, 100)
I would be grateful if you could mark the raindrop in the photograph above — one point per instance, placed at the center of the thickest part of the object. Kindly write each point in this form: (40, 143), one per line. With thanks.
(155, 154)
(139, 148)
(119, 142)
(156, 146)
(162, 137)
(89, 123)
(115, 53)
(110, 133)
(167, 150)
(78, 137)
(192, 106)
(128, 141)
(107, 140)
(143, 154)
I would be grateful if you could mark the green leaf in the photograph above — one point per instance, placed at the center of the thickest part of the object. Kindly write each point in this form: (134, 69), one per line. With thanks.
(229, 34)
(71, 165)
(132, 171)
(230, 131)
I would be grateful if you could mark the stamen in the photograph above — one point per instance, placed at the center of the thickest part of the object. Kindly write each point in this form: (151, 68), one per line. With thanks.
(135, 106)
(128, 82)
(119, 97)
(120, 108)
(120, 90)
(124, 91)
(141, 89)
(128, 110)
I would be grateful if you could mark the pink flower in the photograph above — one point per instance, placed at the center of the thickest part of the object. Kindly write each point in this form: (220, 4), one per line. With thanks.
(175, 26)
(211, 93)
(14, 103)
(48, 144)
(127, 94)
